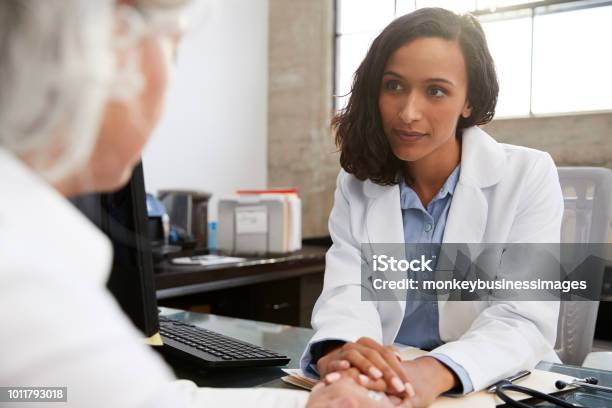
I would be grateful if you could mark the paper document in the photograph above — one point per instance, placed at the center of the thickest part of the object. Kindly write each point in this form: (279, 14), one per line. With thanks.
(207, 260)
(296, 377)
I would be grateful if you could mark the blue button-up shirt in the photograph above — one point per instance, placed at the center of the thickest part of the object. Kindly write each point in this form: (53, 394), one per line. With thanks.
(426, 226)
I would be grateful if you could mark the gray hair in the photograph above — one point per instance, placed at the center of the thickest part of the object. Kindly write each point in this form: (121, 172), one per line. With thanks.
(56, 64)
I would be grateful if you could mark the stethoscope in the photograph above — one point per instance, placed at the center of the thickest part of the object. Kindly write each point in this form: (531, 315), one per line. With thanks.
(507, 384)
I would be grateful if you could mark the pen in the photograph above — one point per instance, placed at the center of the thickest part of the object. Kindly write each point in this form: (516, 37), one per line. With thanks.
(511, 379)
(589, 382)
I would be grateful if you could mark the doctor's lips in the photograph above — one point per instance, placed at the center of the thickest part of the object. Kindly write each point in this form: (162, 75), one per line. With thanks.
(407, 135)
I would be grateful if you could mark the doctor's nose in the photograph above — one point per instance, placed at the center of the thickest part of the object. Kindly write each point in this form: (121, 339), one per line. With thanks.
(411, 109)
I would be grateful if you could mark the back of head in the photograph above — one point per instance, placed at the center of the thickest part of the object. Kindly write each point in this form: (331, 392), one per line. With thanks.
(55, 67)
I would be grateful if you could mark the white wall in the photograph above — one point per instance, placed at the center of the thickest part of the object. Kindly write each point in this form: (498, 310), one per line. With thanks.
(213, 133)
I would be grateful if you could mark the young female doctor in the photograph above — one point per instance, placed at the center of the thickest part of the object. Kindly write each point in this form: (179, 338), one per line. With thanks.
(417, 169)
(82, 88)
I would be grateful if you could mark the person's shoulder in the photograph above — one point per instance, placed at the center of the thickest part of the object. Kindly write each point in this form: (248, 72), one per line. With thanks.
(530, 169)
(42, 232)
(528, 159)
(523, 152)
(357, 190)
(349, 183)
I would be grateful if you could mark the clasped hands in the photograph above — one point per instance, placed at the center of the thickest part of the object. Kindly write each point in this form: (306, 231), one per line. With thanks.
(379, 368)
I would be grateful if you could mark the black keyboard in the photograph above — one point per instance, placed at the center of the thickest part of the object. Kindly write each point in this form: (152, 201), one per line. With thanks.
(212, 349)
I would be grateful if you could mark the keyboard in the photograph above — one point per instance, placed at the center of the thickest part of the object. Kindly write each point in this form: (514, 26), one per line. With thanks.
(211, 349)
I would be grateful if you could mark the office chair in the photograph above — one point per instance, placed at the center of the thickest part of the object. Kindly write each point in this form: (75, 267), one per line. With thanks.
(587, 192)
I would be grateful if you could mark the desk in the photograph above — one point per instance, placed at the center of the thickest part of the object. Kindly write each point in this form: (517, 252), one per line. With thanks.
(288, 340)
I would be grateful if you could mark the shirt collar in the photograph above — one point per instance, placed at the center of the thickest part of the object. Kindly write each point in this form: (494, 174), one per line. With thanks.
(483, 163)
(410, 199)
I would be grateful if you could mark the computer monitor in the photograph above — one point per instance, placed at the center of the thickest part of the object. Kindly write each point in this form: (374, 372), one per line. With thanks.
(122, 216)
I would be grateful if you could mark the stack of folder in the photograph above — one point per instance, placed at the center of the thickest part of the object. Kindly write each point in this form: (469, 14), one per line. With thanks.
(260, 222)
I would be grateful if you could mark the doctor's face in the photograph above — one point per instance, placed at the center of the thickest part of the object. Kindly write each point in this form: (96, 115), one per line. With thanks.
(422, 95)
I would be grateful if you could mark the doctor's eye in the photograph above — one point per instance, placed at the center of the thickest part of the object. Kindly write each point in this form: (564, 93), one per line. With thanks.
(436, 92)
(392, 85)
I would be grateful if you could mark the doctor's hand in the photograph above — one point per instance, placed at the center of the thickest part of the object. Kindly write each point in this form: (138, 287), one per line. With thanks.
(369, 363)
(345, 393)
(424, 379)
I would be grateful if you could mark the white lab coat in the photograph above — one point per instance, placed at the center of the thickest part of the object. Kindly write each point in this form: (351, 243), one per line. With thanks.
(60, 327)
(505, 194)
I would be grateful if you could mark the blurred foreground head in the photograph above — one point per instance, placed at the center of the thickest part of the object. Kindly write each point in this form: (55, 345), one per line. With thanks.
(83, 84)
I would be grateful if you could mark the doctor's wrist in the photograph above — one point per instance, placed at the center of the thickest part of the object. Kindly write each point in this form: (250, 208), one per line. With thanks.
(322, 355)
(438, 377)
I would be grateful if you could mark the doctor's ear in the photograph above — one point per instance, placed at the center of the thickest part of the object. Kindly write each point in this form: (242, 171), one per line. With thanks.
(467, 110)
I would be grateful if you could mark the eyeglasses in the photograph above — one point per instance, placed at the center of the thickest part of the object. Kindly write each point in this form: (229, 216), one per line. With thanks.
(170, 17)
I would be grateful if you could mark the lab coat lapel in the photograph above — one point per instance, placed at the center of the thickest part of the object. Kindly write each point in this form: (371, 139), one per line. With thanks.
(483, 164)
(384, 222)
(384, 225)
(467, 216)
(466, 223)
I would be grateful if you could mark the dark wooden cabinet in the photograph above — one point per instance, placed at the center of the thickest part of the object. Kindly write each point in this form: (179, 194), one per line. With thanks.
(287, 301)
(279, 290)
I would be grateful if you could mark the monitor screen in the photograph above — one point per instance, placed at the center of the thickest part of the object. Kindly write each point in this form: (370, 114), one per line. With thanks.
(122, 216)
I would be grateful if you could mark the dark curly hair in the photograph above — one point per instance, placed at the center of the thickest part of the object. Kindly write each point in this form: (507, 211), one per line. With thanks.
(364, 149)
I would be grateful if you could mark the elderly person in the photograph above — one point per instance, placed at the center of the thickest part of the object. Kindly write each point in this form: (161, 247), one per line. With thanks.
(82, 88)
